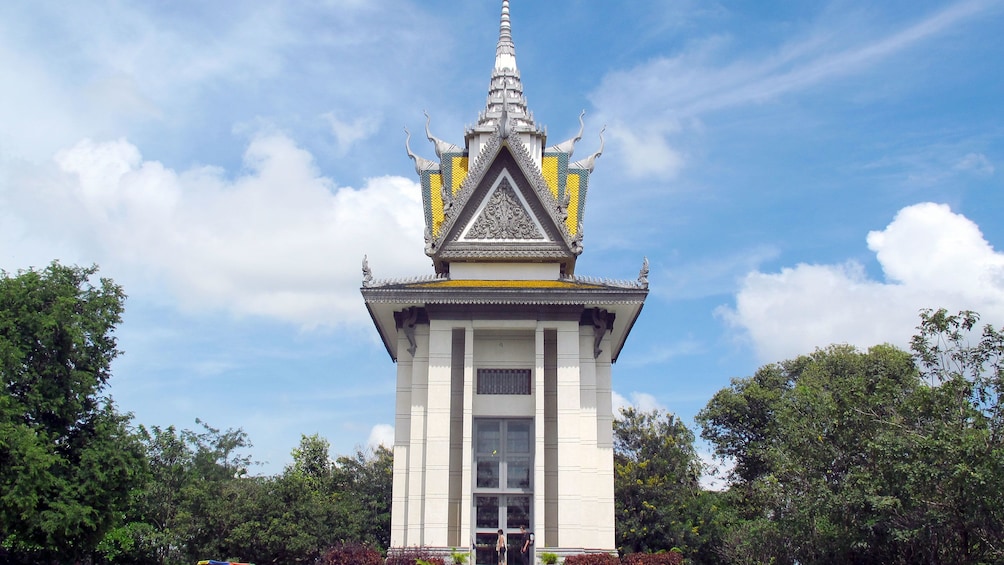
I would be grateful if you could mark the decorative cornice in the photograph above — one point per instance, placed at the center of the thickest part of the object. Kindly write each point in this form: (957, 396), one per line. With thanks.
(431, 282)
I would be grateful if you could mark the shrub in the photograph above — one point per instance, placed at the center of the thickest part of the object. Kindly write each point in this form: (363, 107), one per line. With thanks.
(592, 559)
(351, 554)
(666, 558)
(549, 558)
(412, 555)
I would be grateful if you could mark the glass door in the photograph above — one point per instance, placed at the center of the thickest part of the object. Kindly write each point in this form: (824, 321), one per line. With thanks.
(503, 493)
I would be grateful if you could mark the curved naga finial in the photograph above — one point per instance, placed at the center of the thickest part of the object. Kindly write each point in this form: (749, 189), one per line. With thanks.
(367, 273)
(569, 146)
(421, 164)
(643, 274)
(589, 162)
(442, 147)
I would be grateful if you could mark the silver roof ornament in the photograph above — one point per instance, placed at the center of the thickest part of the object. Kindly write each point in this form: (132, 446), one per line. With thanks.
(421, 164)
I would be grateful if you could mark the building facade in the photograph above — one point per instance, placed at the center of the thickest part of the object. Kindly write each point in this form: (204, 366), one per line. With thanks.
(504, 414)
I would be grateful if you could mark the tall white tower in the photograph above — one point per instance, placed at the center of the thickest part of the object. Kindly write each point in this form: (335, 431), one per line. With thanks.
(504, 355)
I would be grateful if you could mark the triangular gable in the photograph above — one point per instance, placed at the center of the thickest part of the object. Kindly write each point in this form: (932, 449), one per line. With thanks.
(503, 211)
(503, 215)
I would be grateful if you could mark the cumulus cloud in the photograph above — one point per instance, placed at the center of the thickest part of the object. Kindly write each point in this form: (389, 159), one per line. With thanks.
(381, 435)
(279, 240)
(930, 258)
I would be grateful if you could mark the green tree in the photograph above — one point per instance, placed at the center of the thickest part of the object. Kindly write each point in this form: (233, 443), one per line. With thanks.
(67, 456)
(361, 488)
(879, 456)
(658, 498)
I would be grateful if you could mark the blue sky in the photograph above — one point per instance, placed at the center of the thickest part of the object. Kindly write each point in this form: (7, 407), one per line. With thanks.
(798, 174)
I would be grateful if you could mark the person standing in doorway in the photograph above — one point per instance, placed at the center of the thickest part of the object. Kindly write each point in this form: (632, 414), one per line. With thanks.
(526, 545)
(500, 547)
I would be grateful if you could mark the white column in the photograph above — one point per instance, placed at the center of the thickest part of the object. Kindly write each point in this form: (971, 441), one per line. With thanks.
(569, 442)
(539, 524)
(587, 426)
(605, 449)
(402, 444)
(437, 446)
(466, 525)
(416, 451)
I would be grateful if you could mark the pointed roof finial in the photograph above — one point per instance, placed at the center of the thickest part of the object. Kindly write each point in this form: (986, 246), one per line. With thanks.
(505, 91)
(505, 52)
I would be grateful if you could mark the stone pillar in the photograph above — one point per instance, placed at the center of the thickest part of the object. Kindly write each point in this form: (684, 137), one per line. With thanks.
(466, 502)
(587, 427)
(539, 523)
(416, 450)
(605, 449)
(402, 446)
(570, 484)
(437, 436)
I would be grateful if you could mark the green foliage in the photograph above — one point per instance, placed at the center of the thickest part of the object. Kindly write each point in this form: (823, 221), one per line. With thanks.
(458, 557)
(843, 456)
(548, 558)
(69, 460)
(658, 499)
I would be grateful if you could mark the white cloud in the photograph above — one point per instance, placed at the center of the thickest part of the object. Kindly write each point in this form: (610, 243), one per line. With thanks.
(347, 133)
(975, 163)
(652, 103)
(931, 258)
(280, 240)
(381, 435)
(641, 401)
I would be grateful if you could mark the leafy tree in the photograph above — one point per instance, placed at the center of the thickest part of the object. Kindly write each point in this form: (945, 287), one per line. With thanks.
(67, 456)
(843, 456)
(362, 490)
(658, 499)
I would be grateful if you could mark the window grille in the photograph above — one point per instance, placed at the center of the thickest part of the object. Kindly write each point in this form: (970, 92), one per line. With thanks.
(503, 381)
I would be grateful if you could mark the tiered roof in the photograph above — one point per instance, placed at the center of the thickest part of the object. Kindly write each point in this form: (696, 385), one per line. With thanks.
(505, 211)
(505, 196)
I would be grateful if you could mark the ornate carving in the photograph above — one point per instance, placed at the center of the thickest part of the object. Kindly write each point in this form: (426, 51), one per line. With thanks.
(442, 147)
(367, 273)
(408, 325)
(421, 164)
(590, 162)
(577, 242)
(569, 146)
(643, 274)
(601, 324)
(504, 217)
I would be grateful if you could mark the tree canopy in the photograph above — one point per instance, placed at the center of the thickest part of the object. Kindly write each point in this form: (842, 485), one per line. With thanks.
(69, 460)
(843, 456)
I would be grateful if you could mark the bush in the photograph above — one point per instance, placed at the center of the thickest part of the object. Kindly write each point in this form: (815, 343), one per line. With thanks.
(667, 558)
(412, 555)
(549, 558)
(592, 559)
(351, 554)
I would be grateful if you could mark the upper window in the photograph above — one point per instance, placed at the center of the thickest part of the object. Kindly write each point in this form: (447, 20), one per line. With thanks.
(504, 381)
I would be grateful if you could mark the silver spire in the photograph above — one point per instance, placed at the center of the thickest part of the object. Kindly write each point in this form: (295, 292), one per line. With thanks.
(505, 92)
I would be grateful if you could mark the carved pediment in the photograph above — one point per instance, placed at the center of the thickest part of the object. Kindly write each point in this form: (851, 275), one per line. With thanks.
(504, 215)
(504, 212)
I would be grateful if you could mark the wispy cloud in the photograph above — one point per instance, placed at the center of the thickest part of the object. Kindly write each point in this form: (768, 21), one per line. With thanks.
(669, 95)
